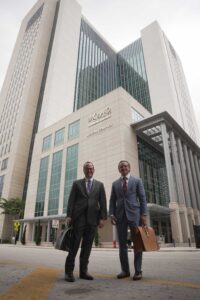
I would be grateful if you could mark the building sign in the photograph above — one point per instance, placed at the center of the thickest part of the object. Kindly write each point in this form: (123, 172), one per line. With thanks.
(55, 223)
(99, 117)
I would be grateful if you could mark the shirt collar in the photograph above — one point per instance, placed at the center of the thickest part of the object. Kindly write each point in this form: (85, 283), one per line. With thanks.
(87, 179)
(127, 176)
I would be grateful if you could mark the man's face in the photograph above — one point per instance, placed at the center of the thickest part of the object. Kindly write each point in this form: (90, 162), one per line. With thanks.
(124, 168)
(88, 170)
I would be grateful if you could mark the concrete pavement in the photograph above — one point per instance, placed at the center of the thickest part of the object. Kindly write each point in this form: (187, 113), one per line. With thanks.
(37, 273)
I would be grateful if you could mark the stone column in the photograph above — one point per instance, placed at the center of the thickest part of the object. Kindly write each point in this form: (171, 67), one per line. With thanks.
(196, 188)
(189, 176)
(48, 230)
(20, 231)
(33, 232)
(191, 221)
(178, 178)
(168, 163)
(177, 233)
(184, 223)
(183, 173)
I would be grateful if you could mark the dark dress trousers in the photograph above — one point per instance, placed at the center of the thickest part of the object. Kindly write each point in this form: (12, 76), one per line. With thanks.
(127, 207)
(85, 210)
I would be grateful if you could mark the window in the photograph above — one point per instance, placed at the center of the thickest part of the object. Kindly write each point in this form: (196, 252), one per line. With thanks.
(41, 188)
(4, 164)
(136, 116)
(59, 137)
(70, 172)
(74, 129)
(1, 184)
(54, 190)
(46, 143)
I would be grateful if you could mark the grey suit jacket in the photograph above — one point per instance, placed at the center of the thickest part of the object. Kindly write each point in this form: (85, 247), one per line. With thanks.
(92, 204)
(133, 203)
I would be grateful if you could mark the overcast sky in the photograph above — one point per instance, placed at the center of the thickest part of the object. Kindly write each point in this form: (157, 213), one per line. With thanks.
(120, 22)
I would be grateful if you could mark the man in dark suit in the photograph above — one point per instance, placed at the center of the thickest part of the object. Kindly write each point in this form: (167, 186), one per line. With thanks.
(128, 208)
(86, 210)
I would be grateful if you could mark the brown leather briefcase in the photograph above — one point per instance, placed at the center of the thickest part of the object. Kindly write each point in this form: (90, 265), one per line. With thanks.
(145, 240)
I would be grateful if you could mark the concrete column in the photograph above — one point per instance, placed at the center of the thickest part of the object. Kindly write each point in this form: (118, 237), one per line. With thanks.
(197, 217)
(183, 173)
(62, 183)
(178, 178)
(33, 232)
(191, 221)
(20, 231)
(196, 188)
(189, 176)
(198, 177)
(184, 223)
(168, 163)
(177, 233)
(48, 230)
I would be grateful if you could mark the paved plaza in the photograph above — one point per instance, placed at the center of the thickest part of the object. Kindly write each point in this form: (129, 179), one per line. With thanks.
(37, 273)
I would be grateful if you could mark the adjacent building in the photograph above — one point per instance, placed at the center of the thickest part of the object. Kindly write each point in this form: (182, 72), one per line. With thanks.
(69, 97)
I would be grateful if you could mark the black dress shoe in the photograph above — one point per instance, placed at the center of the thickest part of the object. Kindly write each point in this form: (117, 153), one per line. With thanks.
(86, 276)
(69, 277)
(137, 276)
(123, 275)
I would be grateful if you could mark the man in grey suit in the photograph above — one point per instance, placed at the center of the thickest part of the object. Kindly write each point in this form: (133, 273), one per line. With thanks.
(86, 210)
(128, 208)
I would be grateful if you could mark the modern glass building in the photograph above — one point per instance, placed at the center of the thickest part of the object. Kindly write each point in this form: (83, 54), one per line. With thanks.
(70, 97)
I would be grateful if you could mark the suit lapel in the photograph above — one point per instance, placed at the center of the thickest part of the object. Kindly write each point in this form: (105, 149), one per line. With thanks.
(83, 186)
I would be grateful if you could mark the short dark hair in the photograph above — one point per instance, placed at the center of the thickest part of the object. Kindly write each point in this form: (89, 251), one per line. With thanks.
(86, 163)
(124, 161)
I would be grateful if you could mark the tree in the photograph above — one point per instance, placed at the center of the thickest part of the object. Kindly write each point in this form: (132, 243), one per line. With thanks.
(13, 207)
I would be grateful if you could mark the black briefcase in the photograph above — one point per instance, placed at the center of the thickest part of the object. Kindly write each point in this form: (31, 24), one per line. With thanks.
(64, 240)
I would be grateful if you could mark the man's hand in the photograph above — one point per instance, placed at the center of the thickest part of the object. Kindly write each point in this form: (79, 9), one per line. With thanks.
(101, 223)
(68, 221)
(143, 220)
(113, 220)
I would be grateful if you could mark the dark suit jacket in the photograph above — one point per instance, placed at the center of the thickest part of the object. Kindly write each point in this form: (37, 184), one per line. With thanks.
(93, 204)
(133, 202)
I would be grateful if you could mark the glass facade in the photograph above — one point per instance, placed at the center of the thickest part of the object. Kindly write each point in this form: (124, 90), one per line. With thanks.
(96, 67)
(153, 173)
(46, 143)
(74, 129)
(132, 73)
(54, 190)
(101, 70)
(41, 189)
(59, 137)
(70, 172)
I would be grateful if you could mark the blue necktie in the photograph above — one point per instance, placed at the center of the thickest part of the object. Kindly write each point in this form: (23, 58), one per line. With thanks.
(89, 185)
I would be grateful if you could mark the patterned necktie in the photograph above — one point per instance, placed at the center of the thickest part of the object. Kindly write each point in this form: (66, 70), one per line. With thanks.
(124, 184)
(89, 185)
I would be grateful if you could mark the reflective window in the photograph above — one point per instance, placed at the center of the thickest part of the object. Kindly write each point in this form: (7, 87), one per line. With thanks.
(136, 116)
(46, 143)
(41, 188)
(73, 131)
(1, 184)
(59, 137)
(70, 172)
(4, 164)
(54, 191)
(153, 173)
